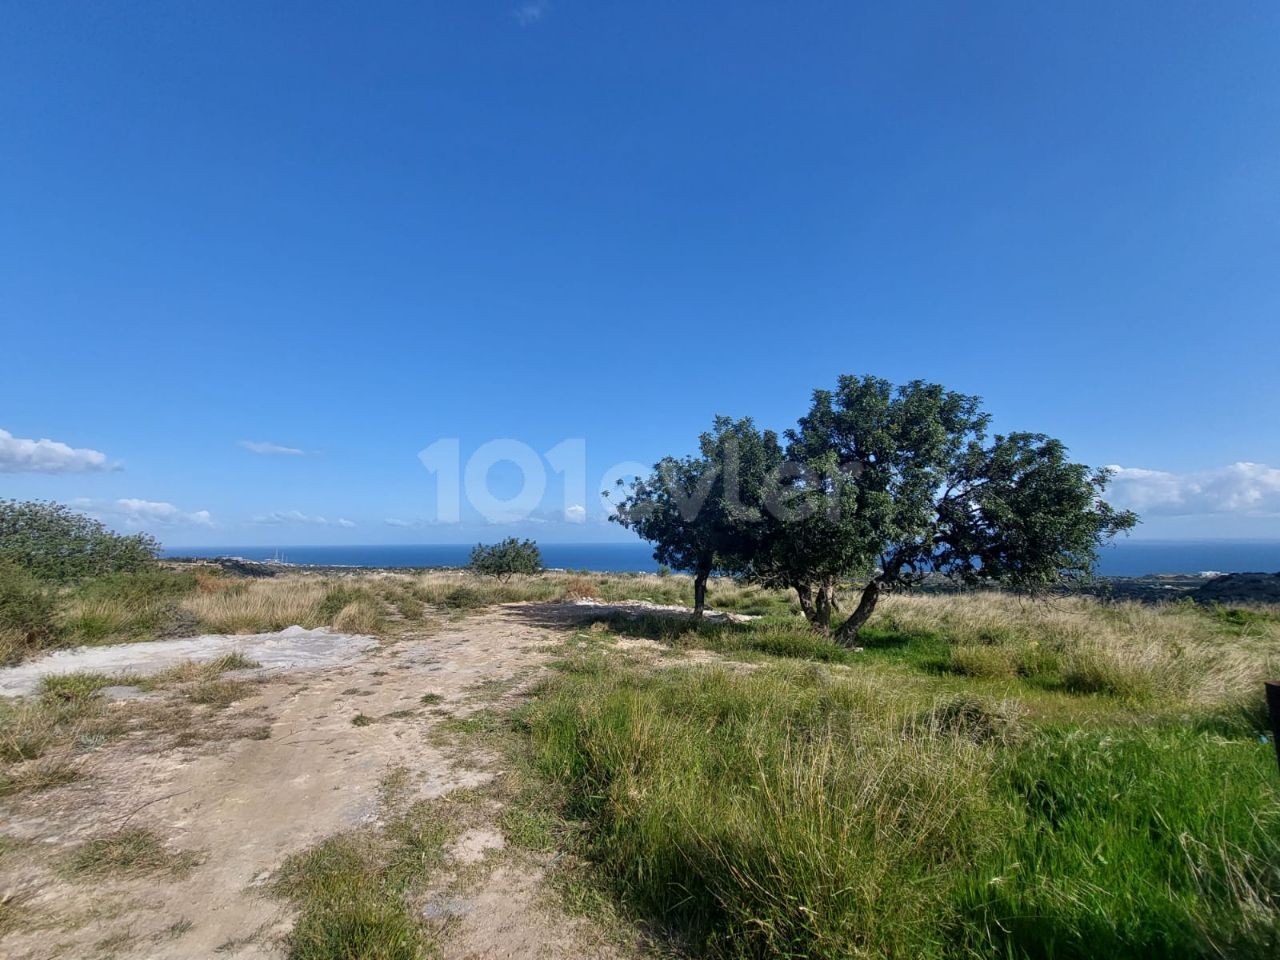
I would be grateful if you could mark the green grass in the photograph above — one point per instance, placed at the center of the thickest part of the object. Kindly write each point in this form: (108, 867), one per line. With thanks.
(34, 777)
(126, 606)
(128, 852)
(799, 810)
(774, 636)
(352, 891)
(192, 672)
(219, 693)
(40, 735)
(1240, 621)
(75, 688)
(1132, 842)
(203, 679)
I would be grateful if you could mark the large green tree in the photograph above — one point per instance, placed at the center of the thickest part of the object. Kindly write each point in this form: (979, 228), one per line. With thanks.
(890, 483)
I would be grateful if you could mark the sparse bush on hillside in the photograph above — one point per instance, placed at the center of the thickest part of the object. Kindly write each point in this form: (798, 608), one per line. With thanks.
(53, 542)
(504, 560)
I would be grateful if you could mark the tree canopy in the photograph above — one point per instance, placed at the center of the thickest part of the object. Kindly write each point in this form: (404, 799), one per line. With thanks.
(878, 485)
(507, 558)
(700, 512)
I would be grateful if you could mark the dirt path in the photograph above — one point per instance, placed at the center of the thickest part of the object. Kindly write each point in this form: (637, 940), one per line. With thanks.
(247, 804)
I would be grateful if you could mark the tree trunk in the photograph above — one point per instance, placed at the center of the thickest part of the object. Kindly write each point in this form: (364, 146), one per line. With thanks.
(822, 606)
(847, 635)
(805, 596)
(700, 592)
(816, 606)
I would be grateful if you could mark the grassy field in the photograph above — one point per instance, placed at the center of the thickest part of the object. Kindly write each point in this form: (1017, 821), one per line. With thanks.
(988, 778)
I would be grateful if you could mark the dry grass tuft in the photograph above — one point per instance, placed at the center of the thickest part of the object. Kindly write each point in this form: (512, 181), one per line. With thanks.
(1174, 652)
(128, 853)
(260, 606)
(579, 587)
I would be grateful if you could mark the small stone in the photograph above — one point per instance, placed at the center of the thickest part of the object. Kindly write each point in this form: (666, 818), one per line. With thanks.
(448, 908)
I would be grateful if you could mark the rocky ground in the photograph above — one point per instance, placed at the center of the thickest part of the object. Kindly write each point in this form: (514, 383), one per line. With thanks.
(238, 808)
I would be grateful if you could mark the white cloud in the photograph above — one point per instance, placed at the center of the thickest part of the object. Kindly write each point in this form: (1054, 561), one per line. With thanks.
(397, 522)
(297, 517)
(576, 513)
(267, 448)
(1240, 488)
(531, 12)
(19, 455)
(135, 513)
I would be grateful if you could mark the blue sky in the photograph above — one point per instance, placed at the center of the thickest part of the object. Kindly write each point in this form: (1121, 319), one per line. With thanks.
(254, 257)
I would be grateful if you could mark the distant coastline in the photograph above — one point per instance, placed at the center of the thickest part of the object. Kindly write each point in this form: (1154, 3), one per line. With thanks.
(1126, 559)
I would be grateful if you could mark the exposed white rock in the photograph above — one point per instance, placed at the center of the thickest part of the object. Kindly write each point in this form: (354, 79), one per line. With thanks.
(294, 648)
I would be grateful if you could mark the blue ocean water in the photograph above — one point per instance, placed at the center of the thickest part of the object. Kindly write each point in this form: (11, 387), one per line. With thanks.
(606, 557)
(1132, 558)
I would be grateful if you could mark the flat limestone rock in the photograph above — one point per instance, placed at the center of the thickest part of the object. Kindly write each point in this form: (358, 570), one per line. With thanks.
(294, 648)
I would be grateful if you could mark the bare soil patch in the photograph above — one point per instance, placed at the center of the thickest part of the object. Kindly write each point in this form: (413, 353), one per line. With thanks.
(231, 811)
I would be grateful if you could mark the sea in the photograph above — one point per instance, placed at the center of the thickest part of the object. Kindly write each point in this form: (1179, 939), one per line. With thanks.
(1133, 558)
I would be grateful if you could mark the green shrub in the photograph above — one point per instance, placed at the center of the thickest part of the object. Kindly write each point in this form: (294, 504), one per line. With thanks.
(505, 559)
(464, 598)
(27, 613)
(1242, 620)
(53, 542)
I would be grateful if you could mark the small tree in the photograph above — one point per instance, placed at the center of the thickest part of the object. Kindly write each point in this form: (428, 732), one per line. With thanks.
(53, 542)
(504, 559)
(699, 511)
(898, 482)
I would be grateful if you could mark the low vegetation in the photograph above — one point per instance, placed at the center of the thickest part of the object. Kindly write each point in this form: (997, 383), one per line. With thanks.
(161, 603)
(44, 739)
(128, 852)
(352, 891)
(899, 802)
